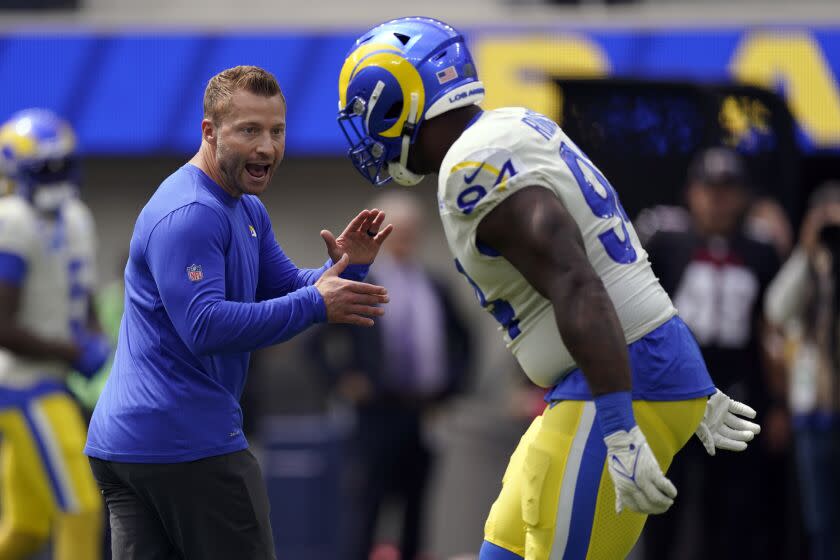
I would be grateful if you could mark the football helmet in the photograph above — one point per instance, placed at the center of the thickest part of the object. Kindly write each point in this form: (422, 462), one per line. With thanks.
(398, 75)
(38, 155)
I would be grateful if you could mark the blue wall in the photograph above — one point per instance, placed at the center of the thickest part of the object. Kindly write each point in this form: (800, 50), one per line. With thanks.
(139, 92)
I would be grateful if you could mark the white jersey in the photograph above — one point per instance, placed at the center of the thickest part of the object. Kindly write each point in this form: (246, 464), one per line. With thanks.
(508, 149)
(59, 259)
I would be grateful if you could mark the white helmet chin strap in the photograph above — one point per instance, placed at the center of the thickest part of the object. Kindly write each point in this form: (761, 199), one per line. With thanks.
(398, 170)
(402, 176)
(374, 98)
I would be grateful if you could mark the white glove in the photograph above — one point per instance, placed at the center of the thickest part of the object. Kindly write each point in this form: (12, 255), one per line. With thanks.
(639, 482)
(721, 426)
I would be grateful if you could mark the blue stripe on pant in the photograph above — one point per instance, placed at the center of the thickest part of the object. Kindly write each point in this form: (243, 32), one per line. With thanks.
(490, 551)
(49, 467)
(586, 496)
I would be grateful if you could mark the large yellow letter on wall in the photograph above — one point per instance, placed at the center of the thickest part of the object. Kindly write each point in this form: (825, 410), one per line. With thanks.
(796, 61)
(517, 70)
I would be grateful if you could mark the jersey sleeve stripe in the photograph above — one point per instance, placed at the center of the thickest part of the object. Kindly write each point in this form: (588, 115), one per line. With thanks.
(12, 268)
(459, 166)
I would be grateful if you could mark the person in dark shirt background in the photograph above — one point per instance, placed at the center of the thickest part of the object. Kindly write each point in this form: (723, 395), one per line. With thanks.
(395, 376)
(717, 274)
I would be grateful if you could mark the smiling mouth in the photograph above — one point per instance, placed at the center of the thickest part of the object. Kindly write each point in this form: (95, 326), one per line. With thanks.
(257, 171)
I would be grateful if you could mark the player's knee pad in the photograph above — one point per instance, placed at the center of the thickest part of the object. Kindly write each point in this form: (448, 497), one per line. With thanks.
(538, 507)
(504, 527)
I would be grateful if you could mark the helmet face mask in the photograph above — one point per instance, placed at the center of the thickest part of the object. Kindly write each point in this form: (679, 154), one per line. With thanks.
(50, 198)
(37, 154)
(396, 76)
(367, 155)
(49, 183)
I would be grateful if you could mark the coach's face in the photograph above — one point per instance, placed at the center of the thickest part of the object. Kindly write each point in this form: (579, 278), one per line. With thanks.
(250, 141)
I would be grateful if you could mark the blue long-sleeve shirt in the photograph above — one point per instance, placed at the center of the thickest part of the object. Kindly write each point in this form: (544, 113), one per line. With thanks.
(205, 284)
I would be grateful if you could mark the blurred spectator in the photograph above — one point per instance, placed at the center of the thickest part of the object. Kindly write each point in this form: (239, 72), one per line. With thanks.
(716, 274)
(767, 221)
(661, 218)
(803, 300)
(395, 375)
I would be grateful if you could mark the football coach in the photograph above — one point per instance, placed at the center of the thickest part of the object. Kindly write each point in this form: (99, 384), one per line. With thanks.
(205, 284)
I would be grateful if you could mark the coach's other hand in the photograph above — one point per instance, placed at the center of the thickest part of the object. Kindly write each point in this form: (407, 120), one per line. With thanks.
(348, 301)
(361, 239)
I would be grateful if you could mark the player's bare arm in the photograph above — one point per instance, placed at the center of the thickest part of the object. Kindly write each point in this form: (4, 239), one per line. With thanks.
(93, 323)
(533, 230)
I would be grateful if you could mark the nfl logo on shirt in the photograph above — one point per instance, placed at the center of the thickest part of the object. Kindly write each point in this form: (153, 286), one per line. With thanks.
(252, 230)
(194, 273)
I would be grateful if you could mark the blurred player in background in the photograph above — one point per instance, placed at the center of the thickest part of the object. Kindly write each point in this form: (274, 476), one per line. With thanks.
(540, 235)
(47, 253)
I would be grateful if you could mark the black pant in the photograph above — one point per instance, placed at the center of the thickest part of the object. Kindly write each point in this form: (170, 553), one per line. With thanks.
(213, 508)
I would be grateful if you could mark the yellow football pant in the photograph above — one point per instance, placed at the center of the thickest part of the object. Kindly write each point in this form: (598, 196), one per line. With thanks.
(557, 500)
(46, 486)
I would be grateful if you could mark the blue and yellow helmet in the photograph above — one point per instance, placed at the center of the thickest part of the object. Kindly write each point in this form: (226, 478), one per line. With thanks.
(398, 75)
(38, 155)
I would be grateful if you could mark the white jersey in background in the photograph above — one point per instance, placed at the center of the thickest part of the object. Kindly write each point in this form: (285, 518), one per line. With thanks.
(59, 256)
(501, 152)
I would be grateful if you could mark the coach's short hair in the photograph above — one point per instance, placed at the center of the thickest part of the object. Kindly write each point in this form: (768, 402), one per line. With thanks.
(222, 86)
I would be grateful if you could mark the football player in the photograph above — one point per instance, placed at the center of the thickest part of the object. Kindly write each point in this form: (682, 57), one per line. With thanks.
(46, 274)
(541, 236)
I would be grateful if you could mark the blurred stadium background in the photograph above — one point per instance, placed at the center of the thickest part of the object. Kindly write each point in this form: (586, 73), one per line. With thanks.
(642, 86)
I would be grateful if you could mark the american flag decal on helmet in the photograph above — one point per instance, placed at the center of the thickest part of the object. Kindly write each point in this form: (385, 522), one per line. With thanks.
(446, 75)
(194, 273)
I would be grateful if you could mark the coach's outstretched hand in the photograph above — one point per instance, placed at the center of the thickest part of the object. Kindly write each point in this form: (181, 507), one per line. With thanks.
(639, 482)
(361, 239)
(722, 426)
(348, 301)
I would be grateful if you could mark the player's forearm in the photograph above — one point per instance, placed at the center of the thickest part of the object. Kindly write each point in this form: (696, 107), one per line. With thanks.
(228, 326)
(590, 329)
(93, 324)
(23, 343)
